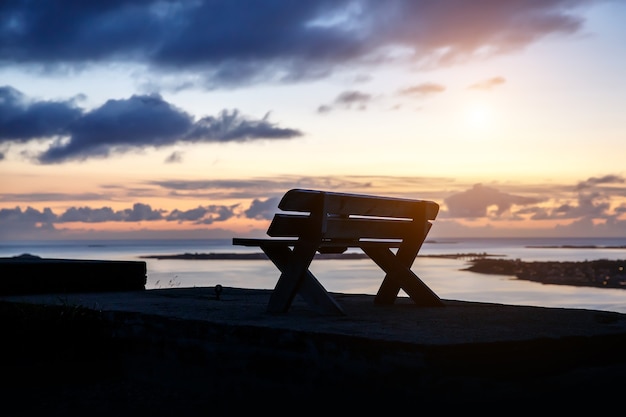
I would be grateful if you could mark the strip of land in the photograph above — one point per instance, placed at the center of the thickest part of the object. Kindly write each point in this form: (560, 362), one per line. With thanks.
(246, 256)
(261, 255)
(600, 273)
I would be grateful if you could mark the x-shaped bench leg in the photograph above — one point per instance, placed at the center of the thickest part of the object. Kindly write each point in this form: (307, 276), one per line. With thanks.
(399, 276)
(295, 278)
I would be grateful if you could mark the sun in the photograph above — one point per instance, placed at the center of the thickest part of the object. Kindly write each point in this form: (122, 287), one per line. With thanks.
(478, 116)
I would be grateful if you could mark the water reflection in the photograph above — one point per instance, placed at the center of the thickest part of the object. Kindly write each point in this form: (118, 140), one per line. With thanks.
(361, 276)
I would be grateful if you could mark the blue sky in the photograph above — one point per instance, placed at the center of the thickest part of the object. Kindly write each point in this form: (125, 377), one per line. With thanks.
(159, 119)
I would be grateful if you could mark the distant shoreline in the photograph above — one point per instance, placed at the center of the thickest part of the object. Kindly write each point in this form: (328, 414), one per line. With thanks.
(352, 255)
(599, 273)
(261, 255)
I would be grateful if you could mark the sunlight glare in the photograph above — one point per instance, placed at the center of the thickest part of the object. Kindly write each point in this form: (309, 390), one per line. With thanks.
(478, 116)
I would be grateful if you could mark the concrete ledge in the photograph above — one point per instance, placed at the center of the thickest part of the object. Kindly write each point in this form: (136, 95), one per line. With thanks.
(189, 352)
(28, 274)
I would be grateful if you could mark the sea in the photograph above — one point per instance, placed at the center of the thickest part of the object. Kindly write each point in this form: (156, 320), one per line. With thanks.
(444, 275)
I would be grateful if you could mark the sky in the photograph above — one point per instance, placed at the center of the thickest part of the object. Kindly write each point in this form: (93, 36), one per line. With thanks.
(143, 119)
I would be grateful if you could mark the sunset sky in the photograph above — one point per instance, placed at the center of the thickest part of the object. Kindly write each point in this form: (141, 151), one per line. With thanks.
(189, 119)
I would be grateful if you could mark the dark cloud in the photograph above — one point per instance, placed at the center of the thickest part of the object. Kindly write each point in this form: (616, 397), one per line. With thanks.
(244, 41)
(22, 120)
(33, 222)
(118, 126)
(346, 100)
(15, 222)
(203, 215)
(593, 181)
(174, 157)
(262, 209)
(29, 215)
(139, 212)
(587, 227)
(590, 199)
(232, 126)
(474, 203)
(324, 108)
(488, 84)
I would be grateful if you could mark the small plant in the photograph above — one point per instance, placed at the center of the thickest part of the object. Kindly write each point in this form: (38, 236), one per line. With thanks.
(174, 282)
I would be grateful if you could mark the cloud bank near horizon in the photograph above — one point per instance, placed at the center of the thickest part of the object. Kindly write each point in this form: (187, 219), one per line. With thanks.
(587, 210)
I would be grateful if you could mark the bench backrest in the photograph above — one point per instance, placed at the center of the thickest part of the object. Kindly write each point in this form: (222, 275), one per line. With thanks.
(351, 218)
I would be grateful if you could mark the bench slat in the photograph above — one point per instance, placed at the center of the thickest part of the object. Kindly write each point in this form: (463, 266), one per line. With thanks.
(258, 242)
(357, 204)
(289, 225)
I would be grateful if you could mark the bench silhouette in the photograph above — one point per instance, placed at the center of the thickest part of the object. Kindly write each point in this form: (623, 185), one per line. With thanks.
(330, 222)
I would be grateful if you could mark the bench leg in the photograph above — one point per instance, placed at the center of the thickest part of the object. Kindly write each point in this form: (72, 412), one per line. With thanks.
(389, 289)
(399, 276)
(295, 279)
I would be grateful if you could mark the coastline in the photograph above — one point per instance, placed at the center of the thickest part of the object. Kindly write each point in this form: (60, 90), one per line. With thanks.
(600, 273)
(261, 255)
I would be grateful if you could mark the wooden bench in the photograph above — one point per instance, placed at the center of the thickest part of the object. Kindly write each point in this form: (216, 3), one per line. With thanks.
(329, 222)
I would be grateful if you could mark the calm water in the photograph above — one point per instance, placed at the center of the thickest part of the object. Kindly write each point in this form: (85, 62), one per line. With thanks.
(444, 276)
